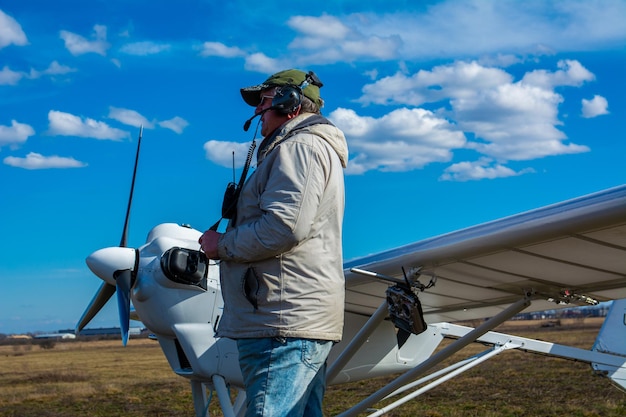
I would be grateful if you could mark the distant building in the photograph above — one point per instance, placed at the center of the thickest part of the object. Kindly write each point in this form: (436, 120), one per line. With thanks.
(600, 310)
(105, 331)
(55, 336)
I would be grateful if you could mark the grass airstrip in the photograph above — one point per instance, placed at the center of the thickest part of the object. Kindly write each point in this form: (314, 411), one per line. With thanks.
(102, 378)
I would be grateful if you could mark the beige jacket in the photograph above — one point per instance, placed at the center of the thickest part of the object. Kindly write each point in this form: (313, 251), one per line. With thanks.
(282, 266)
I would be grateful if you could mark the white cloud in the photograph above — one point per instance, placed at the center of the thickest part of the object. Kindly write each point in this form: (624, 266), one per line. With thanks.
(402, 140)
(175, 124)
(129, 117)
(11, 32)
(514, 122)
(57, 69)
(257, 62)
(597, 106)
(78, 45)
(457, 80)
(452, 29)
(262, 63)
(144, 48)
(571, 73)
(135, 119)
(318, 30)
(15, 134)
(500, 60)
(372, 74)
(37, 161)
(66, 124)
(510, 120)
(221, 153)
(10, 77)
(219, 49)
(500, 32)
(53, 70)
(326, 39)
(484, 168)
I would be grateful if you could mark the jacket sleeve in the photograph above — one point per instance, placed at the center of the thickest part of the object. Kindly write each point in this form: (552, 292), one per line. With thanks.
(289, 204)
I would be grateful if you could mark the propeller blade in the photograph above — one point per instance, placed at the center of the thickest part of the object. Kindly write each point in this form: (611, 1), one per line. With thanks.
(123, 241)
(117, 267)
(103, 295)
(124, 282)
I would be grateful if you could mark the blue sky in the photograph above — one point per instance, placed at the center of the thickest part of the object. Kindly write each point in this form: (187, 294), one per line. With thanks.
(456, 113)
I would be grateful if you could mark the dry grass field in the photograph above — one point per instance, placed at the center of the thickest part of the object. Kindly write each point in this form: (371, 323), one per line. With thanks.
(102, 378)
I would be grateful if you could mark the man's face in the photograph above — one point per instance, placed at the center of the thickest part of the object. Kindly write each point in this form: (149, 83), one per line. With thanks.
(271, 120)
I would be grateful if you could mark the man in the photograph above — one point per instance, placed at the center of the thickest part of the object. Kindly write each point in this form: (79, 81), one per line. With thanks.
(281, 255)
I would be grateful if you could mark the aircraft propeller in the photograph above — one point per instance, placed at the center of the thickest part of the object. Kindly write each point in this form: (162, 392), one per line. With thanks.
(117, 267)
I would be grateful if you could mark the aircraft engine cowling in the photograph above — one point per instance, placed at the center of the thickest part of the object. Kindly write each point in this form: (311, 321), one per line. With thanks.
(162, 302)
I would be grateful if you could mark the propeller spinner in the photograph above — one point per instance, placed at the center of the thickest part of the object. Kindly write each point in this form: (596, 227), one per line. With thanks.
(117, 267)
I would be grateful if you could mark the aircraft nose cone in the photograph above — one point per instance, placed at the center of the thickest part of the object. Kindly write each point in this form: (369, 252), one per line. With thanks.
(105, 262)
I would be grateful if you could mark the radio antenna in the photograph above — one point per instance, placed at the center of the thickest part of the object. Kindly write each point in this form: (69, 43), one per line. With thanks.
(234, 166)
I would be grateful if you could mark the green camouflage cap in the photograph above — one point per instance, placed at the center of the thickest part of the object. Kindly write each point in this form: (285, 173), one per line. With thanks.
(252, 96)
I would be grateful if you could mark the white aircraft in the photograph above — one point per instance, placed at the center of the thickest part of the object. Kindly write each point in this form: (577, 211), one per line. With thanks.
(567, 254)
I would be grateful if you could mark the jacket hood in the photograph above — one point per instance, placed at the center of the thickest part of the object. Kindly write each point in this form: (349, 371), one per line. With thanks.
(311, 123)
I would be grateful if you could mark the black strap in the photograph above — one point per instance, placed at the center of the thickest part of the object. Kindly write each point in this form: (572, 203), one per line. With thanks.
(233, 191)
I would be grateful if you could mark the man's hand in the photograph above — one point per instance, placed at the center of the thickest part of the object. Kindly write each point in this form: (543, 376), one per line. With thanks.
(208, 243)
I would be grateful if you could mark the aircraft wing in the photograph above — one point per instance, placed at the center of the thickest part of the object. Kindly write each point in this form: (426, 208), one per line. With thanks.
(570, 252)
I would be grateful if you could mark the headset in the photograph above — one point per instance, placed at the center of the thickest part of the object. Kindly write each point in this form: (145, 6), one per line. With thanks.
(289, 97)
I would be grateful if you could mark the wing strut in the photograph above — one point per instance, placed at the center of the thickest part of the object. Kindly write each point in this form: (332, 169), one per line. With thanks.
(442, 355)
(502, 342)
(460, 368)
(355, 344)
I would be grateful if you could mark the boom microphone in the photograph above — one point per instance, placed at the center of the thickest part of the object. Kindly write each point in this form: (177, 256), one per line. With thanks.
(246, 125)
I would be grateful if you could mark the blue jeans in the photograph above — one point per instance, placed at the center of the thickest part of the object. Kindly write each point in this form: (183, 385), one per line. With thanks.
(284, 377)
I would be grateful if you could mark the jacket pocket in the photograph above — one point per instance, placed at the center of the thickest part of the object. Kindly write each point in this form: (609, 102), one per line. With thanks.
(251, 287)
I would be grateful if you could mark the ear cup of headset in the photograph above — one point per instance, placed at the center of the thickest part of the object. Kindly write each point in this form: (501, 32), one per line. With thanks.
(287, 99)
